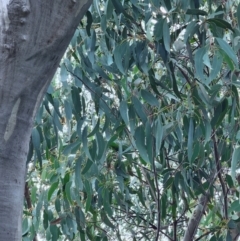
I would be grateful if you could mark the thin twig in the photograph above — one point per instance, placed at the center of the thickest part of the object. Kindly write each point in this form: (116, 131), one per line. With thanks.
(175, 230)
(205, 234)
(158, 202)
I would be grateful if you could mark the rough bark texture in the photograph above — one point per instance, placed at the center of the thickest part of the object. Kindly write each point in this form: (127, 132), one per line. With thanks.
(34, 35)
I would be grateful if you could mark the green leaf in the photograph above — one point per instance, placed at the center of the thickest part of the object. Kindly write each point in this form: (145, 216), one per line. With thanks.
(139, 109)
(89, 22)
(120, 55)
(229, 181)
(168, 183)
(118, 6)
(174, 81)
(190, 140)
(196, 151)
(140, 142)
(238, 15)
(228, 50)
(106, 204)
(216, 67)
(51, 190)
(196, 12)
(106, 220)
(208, 132)
(124, 111)
(101, 72)
(190, 30)
(149, 141)
(203, 94)
(198, 59)
(153, 83)
(95, 129)
(220, 23)
(101, 144)
(235, 161)
(87, 166)
(36, 139)
(109, 9)
(68, 191)
(159, 135)
(149, 98)
(235, 206)
(25, 226)
(36, 144)
(58, 205)
(166, 36)
(219, 113)
(168, 4)
(132, 119)
(80, 217)
(158, 29)
(68, 110)
(85, 142)
(76, 99)
(227, 59)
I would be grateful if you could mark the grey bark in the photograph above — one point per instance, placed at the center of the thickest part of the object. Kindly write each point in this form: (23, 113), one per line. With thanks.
(34, 35)
(196, 218)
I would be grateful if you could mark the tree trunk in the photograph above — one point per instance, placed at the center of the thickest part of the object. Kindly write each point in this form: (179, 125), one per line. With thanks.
(34, 35)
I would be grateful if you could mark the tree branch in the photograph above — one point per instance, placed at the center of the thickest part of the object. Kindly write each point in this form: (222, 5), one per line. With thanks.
(195, 219)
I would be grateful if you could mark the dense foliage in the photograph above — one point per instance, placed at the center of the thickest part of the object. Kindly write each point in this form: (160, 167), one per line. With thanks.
(137, 137)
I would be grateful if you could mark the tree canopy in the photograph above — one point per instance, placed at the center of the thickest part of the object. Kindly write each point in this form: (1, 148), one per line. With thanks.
(137, 137)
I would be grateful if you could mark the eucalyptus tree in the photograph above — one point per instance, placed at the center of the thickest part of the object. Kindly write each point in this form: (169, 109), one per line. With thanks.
(137, 137)
(33, 37)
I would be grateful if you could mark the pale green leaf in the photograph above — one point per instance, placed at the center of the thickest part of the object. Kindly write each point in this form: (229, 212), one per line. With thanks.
(166, 36)
(235, 161)
(228, 50)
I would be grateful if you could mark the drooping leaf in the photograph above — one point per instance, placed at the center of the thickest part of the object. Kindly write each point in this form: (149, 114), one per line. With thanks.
(51, 190)
(228, 50)
(199, 66)
(106, 220)
(190, 140)
(89, 22)
(174, 81)
(124, 112)
(235, 161)
(238, 15)
(220, 23)
(140, 142)
(149, 98)
(80, 217)
(36, 144)
(139, 109)
(159, 135)
(166, 36)
(85, 144)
